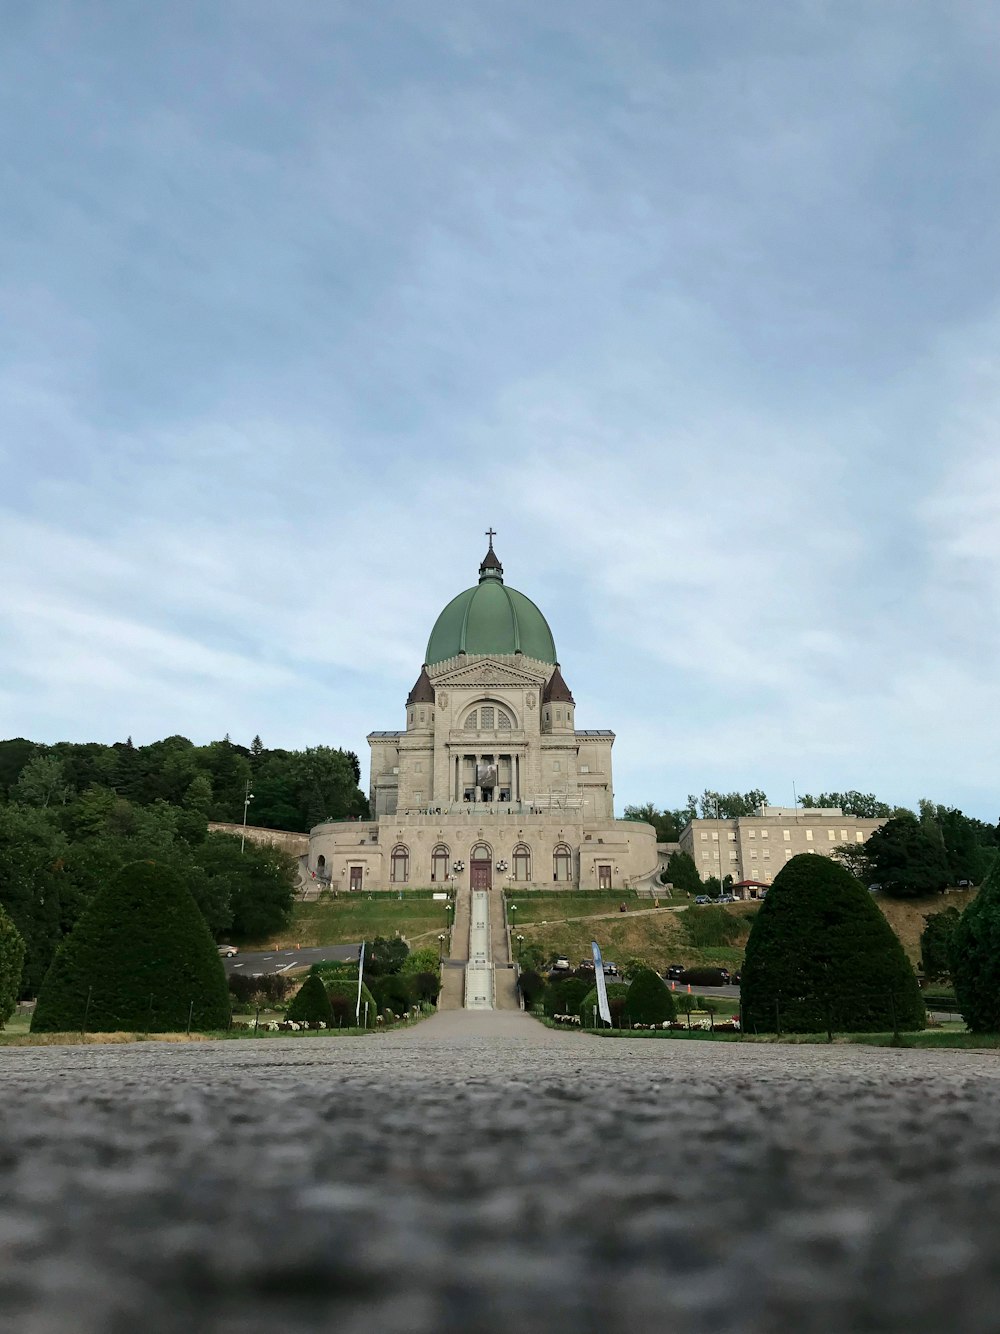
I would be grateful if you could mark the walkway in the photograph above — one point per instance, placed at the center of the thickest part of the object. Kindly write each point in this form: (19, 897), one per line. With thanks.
(480, 1172)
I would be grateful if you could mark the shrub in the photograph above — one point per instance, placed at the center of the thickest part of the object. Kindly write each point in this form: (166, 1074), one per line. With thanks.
(421, 961)
(311, 1005)
(143, 953)
(11, 965)
(532, 986)
(649, 999)
(336, 968)
(566, 996)
(820, 952)
(385, 955)
(263, 989)
(427, 985)
(395, 991)
(617, 996)
(975, 957)
(703, 977)
(343, 995)
(935, 943)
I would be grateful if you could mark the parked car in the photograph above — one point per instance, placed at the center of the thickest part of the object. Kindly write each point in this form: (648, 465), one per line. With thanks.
(735, 979)
(964, 884)
(673, 972)
(587, 965)
(703, 898)
(560, 964)
(726, 976)
(610, 969)
(228, 951)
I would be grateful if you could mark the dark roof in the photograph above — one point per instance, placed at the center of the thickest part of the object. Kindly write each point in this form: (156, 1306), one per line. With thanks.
(423, 691)
(556, 690)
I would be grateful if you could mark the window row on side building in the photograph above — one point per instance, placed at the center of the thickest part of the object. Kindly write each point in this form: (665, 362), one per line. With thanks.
(756, 847)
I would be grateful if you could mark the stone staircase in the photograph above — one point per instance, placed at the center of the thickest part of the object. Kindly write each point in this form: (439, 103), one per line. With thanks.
(478, 973)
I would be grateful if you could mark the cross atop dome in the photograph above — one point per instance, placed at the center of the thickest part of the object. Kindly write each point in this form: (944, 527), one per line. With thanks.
(491, 567)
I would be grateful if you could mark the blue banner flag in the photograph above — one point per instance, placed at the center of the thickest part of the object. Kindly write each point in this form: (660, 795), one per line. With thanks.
(602, 989)
(361, 974)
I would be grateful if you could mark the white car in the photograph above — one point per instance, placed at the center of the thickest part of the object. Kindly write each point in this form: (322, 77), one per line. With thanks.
(227, 951)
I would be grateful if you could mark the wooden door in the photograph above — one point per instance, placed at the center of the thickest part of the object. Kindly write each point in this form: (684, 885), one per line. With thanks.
(482, 874)
(604, 877)
(357, 877)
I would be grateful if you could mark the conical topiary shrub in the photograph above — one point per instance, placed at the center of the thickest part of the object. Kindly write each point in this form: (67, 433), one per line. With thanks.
(343, 994)
(649, 999)
(140, 959)
(975, 957)
(311, 1005)
(821, 953)
(11, 965)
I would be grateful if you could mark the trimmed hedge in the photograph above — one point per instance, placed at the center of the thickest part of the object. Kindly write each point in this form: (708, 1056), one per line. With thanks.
(649, 999)
(532, 987)
(821, 952)
(11, 966)
(975, 957)
(143, 953)
(617, 997)
(265, 987)
(703, 977)
(311, 1005)
(343, 996)
(565, 997)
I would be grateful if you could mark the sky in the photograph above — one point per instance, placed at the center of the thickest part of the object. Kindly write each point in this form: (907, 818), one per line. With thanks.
(697, 305)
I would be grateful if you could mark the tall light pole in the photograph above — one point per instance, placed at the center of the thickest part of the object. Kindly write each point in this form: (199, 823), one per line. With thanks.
(247, 798)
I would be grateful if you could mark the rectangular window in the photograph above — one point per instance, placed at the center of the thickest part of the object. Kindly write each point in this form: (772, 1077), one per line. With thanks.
(732, 838)
(788, 834)
(733, 856)
(859, 837)
(753, 854)
(715, 837)
(418, 767)
(843, 836)
(809, 835)
(704, 837)
(715, 853)
(418, 797)
(788, 853)
(704, 855)
(766, 853)
(832, 835)
(763, 833)
(752, 833)
(486, 719)
(556, 766)
(585, 768)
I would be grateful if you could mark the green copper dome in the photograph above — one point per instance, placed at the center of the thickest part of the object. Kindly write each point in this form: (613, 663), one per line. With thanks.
(490, 618)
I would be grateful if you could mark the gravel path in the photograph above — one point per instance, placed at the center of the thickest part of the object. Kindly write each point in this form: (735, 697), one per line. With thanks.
(481, 1173)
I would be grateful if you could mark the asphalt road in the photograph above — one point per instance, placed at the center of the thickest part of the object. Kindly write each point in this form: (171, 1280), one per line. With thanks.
(279, 961)
(482, 1174)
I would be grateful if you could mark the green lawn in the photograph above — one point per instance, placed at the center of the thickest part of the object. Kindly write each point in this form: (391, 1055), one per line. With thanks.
(541, 905)
(335, 921)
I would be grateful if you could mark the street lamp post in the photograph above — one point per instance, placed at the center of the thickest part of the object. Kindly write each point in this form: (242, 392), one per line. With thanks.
(247, 798)
(520, 942)
(441, 939)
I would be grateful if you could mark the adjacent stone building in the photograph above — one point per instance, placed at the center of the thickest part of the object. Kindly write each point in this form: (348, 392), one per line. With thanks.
(756, 847)
(490, 782)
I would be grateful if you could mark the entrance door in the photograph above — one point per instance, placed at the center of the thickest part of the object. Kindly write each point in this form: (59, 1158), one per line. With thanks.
(604, 877)
(482, 873)
(357, 877)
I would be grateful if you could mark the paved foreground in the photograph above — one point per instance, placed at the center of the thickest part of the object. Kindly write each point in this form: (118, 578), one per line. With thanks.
(481, 1173)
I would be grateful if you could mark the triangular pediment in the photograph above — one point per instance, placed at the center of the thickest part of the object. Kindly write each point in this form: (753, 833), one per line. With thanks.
(488, 672)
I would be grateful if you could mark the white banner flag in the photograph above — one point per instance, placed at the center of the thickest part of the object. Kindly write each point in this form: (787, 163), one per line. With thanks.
(361, 973)
(602, 990)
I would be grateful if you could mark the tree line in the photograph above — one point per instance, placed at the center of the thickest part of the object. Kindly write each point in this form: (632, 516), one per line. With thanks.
(72, 816)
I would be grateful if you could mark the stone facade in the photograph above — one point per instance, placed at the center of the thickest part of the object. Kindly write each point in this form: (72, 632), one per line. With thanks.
(756, 847)
(489, 782)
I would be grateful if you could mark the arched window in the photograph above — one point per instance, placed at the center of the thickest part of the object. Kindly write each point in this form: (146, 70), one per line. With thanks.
(470, 722)
(440, 858)
(562, 863)
(503, 721)
(486, 718)
(522, 862)
(320, 864)
(399, 871)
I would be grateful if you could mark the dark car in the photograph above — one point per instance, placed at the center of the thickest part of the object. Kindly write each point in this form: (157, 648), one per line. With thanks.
(735, 979)
(673, 972)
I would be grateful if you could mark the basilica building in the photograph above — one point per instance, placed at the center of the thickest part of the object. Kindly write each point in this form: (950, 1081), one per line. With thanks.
(490, 783)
